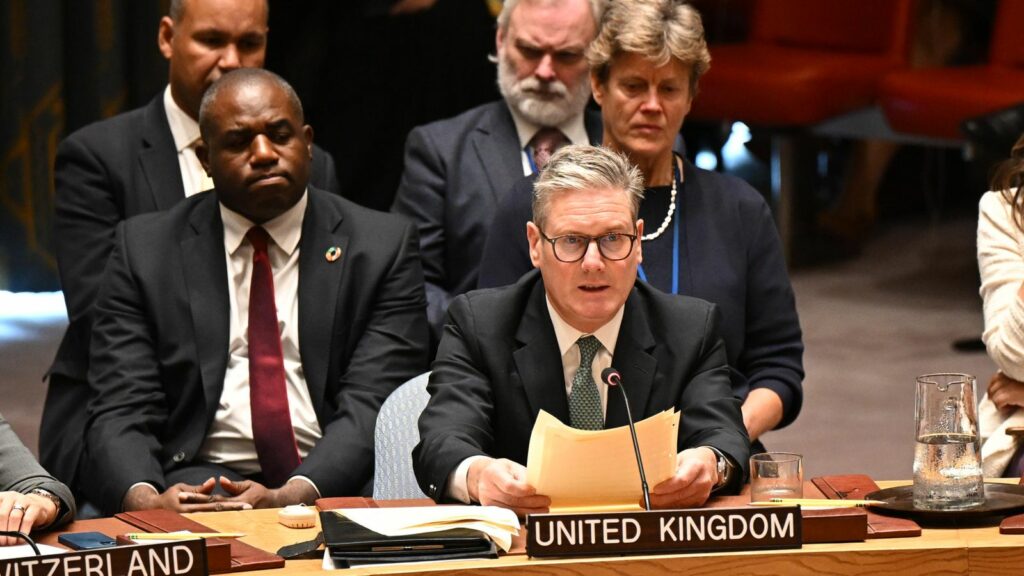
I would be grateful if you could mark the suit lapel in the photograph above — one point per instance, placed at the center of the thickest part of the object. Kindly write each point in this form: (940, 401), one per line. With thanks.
(319, 282)
(497, 147)
(205, 273)
(538, 362)
(634, 361)
(159, 158)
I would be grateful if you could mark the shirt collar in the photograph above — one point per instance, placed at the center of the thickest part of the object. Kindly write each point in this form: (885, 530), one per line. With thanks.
(184, 129)
(607, 335)
(573, 128)
(285, 230)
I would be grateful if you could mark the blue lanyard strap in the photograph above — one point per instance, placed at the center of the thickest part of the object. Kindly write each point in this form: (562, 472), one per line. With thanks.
(529, 159)
(675, 235)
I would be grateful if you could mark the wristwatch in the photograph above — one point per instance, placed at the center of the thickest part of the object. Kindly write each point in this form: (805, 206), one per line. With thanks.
(57, 502)
(725, 468)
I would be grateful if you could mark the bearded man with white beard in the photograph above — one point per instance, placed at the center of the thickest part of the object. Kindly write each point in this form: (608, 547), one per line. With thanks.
(456, 170)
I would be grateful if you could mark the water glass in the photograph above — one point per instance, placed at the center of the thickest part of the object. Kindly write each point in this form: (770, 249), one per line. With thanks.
(776, 475)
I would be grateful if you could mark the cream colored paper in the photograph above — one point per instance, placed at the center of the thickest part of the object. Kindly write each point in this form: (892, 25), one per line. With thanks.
(498, 523)
(596, 469)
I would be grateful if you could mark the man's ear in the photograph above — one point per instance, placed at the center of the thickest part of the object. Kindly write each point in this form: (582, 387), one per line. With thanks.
(499, 41)
(165, 36)
(534, 238)
(639, 242)
(203, 153)
(307, 133)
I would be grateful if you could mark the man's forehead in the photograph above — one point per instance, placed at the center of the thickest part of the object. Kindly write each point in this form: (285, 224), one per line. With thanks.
(215, 15)
(603, 206)
(242, 103)
(552, 24)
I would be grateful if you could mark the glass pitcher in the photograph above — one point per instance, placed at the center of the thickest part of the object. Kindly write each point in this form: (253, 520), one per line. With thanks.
(947, 457)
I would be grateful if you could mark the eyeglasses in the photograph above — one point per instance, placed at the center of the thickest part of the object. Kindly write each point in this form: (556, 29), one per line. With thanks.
(573, 247)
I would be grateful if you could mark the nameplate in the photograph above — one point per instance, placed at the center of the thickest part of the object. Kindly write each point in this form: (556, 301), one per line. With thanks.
(181, 558)
(663, 531)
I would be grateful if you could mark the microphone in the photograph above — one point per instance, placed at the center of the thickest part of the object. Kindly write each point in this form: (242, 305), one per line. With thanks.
(612, 378)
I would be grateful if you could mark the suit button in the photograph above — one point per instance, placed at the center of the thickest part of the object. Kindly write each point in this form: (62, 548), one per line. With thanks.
(433, 490)
(178, 457)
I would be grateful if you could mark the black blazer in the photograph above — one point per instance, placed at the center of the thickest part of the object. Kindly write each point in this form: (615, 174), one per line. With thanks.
(104, 173)
(498, 365)
(455, 172)
(160, 340)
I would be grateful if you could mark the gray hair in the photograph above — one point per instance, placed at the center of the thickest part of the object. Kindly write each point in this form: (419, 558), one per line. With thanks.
(585, 167)
(659, 30)
(245, 77)
(596, 10)
(177, 9)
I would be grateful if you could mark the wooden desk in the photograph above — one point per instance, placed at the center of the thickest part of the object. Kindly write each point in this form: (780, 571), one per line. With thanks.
(937, 551)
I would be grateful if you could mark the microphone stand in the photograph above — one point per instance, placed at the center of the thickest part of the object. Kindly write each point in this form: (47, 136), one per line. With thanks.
(612, 378)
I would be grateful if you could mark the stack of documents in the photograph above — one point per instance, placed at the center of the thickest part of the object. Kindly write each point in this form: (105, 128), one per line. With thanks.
(596, 469)
(499, 524)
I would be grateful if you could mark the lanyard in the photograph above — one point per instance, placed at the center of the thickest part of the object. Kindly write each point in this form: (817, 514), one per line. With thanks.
(529, 159)
(675, 244)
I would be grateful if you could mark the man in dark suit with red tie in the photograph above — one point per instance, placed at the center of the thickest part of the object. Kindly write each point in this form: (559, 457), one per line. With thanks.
(245, 339)
(137, 162)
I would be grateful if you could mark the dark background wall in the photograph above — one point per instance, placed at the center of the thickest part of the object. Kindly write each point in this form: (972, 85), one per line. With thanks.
(365, 79)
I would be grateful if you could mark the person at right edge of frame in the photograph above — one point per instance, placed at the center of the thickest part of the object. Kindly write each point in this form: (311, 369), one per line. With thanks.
(507, 353)
(1001, 264)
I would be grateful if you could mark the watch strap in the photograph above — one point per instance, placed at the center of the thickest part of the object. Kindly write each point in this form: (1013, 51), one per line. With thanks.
(57, 502)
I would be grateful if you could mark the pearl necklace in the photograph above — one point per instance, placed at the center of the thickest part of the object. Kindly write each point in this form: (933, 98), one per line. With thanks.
(671, 205)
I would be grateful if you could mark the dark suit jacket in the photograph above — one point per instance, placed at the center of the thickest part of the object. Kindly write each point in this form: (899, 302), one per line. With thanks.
(160, 340)
(499, 365)
(730, 254)
(105, 173)
(455, 172)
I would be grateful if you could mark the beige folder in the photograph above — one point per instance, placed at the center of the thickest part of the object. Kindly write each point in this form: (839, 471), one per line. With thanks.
(596, 470)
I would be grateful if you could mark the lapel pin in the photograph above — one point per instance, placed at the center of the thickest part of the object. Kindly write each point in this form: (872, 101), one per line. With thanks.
(333, 253)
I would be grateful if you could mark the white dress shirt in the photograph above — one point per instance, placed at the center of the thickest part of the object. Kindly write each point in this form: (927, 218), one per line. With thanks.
(566, 335)
(185, 131)
(573, 128)
(229, 441)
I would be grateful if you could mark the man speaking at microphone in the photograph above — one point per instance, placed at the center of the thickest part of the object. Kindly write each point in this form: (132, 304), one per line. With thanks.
(541, 344)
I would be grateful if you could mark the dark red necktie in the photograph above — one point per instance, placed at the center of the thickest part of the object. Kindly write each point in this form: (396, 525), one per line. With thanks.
(544, 143)
(268, 394)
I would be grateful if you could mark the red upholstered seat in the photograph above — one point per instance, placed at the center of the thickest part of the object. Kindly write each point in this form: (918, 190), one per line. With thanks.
(806, 61)
(935, 101)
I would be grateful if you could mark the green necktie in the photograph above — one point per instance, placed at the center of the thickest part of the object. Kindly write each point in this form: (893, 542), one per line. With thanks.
(584, 401)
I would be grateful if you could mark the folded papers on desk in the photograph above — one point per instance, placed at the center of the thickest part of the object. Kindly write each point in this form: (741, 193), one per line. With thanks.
(596, 469)
(499, 524)
(350, 543)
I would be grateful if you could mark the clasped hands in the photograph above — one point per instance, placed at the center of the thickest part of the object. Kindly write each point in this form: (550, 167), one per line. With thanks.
(501, 482)
(242, 495)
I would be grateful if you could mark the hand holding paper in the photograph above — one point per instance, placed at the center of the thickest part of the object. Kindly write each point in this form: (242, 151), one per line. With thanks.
(503, 483)
(581, 469)
(692, 482)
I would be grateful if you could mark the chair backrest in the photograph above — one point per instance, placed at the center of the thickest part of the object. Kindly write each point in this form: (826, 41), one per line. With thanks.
(873, 26)
(1007, 49)
(395, 435)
